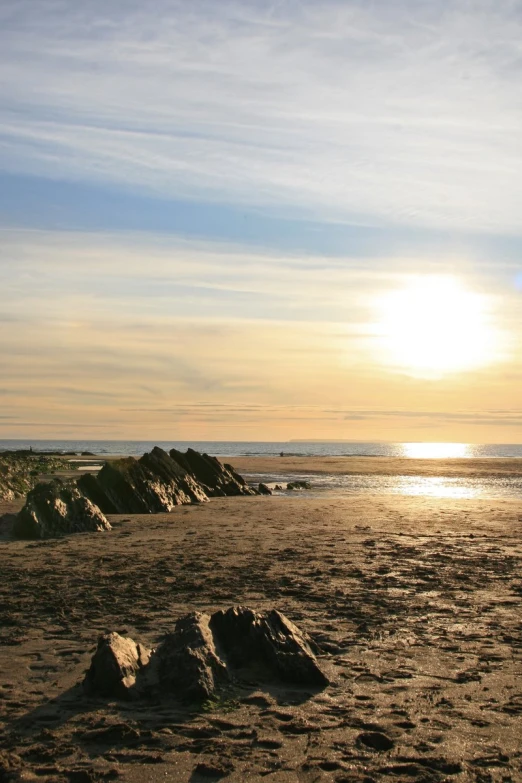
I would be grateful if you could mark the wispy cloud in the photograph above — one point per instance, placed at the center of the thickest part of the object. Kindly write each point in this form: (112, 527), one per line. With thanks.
(150, 337)
(371, 113)
(145, 278)
(385, 136)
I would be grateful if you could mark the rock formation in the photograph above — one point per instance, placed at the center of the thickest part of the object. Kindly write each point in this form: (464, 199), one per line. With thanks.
(264, 490)
(299, 485)
(218, 479)
(266, 641)
(55, 509)
(204, 654)
(153, 484)
(20, 471)
(187, 664)
(115, 665)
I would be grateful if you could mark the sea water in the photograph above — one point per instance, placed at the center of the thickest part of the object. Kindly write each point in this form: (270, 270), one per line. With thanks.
(135, 448)
(429, 486)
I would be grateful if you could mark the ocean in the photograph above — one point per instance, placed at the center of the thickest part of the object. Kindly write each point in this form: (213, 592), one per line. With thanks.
(135, 448)
(494, 487)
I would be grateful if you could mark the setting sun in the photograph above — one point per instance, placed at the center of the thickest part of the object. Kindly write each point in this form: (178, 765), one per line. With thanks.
(434, 326)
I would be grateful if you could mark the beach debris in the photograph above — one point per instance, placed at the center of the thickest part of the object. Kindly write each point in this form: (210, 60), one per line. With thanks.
(264, 490)
(56, 509)
(205, 653)
(299, 485)
(115, 666)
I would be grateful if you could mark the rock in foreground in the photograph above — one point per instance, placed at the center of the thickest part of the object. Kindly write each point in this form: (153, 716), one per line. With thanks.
(115, 665)
(187, 663)
(205, 653)
(269, 641)
(55, 509)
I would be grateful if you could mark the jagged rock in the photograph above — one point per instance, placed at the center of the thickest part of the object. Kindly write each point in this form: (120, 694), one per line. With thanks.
(278, 488)
(115, 666)
(264, 490)
(266, 641)
(20, 471)
(56, 509)
(162, 464)
(152, 484)
(186, 664)
(299, 485)
(204, 654)
(218, 479)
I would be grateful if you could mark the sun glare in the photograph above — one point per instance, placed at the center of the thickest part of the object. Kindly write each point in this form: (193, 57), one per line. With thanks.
(436, 450)
(434, 326)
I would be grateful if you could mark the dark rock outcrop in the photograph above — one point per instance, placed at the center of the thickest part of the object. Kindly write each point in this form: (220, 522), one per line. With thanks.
(186, 663)
(264, 490)
(269, 642)
(115, 666)
(155, 483)
(21, 470)
(218, 479)
(152, 484)
(55, 509)
(299, 485)
(204, 654)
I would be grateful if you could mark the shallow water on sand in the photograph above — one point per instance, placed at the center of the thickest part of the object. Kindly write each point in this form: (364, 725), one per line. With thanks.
(455, 487)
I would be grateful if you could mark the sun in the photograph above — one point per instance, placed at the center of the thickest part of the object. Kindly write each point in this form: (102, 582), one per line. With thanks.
(434, 326)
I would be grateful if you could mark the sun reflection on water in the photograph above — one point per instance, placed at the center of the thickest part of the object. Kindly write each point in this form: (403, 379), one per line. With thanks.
(437, 487)
(436, 450)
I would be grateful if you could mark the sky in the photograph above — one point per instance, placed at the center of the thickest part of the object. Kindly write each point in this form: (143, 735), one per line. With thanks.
(248, 220)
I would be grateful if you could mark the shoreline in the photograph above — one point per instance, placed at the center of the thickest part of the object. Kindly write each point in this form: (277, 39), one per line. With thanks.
(463, 467)
(469, 467)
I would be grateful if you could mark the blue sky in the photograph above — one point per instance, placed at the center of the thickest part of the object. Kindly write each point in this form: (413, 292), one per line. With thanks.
(201, 201)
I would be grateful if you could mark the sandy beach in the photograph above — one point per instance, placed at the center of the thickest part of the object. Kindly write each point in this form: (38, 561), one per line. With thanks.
(414, 604)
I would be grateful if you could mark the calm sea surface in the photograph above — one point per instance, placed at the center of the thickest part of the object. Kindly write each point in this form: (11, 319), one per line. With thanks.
(440, 486)
(136, 448)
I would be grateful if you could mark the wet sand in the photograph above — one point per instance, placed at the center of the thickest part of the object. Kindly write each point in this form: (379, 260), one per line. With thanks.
(414, 603)
(383, 466)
